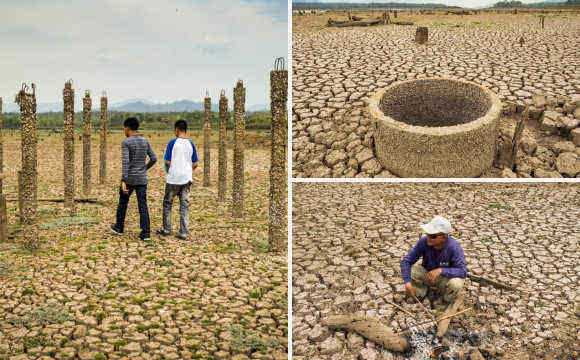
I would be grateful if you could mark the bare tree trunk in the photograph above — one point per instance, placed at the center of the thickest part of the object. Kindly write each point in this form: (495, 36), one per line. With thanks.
(278, 177)
(27, 102)
(223, 157)
(103, 154)
(87, 103)
(239, 134)
(206, 142)
(68, 135)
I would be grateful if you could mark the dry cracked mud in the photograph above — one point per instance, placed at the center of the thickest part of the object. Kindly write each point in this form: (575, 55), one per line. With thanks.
(88, 294)
(349, 238)
(336, 70)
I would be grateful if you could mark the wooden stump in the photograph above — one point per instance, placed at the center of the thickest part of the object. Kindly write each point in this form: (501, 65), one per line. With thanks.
(29, 181)
(103, 148)
(422, 35)
(3, 219)
(69, 148)
(87, 103)
(1, 147)
(278, 177)
(223, 157)
(206, 142)
(239, 135)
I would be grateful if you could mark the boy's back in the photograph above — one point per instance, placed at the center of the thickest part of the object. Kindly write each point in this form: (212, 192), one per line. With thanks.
(182, 154)
(135, 150)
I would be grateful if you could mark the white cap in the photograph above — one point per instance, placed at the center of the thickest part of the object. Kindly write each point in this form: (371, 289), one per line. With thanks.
(437, 225)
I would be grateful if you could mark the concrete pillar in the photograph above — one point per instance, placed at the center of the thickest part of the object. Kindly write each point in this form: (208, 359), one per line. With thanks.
(207, 141)
(87, 103)
(68, 95)
(223, 157)
(239, 135)
(277, 234)
(29, 182)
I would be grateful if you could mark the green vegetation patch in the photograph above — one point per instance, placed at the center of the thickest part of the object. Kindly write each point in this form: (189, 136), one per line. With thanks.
(67, 221)
(52, 313)
(242, 339)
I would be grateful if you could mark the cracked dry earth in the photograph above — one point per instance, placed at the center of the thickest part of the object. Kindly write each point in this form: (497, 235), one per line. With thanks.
(349, 238)
(335, 71)
(88, 294)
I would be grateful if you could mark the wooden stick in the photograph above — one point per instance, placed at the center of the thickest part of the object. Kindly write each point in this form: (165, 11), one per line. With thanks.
(403, 310)
(430, 321)
(497, 284)
(424, 308)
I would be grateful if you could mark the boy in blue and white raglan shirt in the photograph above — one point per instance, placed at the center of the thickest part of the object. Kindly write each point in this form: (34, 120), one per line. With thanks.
(180, 160)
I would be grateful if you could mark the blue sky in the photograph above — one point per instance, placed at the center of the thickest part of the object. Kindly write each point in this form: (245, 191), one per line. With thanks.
(148, 49)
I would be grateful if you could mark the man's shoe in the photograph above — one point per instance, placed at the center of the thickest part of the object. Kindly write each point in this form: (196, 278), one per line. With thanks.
(163, 232)
(145, 237)
(114, 229)
(181, 236)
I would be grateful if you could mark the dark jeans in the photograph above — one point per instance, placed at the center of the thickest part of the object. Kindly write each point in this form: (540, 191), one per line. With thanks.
(172, 191)
(141, 191)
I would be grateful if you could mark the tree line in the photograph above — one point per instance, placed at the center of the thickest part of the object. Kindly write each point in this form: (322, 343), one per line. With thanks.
(258, 120)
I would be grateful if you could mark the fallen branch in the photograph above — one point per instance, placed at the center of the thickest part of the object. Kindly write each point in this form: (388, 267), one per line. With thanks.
(401, 308)
(406, 330)
(370, 329)
(497, 284)
(402, 22)
(92, 200)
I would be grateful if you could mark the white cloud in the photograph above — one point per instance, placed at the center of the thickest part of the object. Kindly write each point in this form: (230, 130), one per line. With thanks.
(158, 50)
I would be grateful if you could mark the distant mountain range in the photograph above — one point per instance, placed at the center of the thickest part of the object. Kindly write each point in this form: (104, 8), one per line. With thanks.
(136, 105)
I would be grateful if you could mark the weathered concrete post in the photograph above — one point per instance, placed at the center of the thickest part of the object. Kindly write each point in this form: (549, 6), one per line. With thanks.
(103, 155)
(239, 134)
(27, 102)
(87, 103)
(422, 35)
(223, 157)
(278, 177)
(68, 135)
(206, 140)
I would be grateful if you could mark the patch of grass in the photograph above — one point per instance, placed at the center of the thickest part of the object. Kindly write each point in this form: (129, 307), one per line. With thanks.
(497, 206)
(28, 291)
(260, 244)
(243, 340)
(99, 356)
(52, 313)
(35, 341)
(67, 221)
(163, 262)
(5, 269)
(255, 293)
(485, 240)
(139, 300)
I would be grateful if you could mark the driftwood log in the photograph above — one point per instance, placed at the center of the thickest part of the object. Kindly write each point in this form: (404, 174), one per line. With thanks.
(451, 309)
(334, 23)
(370, 329)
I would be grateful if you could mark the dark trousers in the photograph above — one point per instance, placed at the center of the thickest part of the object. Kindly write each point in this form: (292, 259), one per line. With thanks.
(141, 191)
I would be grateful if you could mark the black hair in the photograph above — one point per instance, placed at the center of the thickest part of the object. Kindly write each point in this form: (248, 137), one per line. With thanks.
(181, 125)
(132, 123)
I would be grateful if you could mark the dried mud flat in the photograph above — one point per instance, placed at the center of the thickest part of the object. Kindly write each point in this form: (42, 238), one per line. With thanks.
(348, 240)
(336, 70)
(87, 294)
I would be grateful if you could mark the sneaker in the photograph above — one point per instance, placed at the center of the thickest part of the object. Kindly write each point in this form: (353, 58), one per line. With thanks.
(163, 232)
(115, 230)
(181, 236)
(145, 237)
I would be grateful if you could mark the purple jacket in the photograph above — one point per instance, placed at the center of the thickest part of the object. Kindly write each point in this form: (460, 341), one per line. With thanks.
(450, 259)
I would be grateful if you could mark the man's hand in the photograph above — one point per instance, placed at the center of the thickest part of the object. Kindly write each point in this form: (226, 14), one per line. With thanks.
(433, 275)
(124, 187)
(410, 290)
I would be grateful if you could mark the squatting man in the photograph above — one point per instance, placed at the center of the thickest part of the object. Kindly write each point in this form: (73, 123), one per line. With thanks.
(443, 266)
